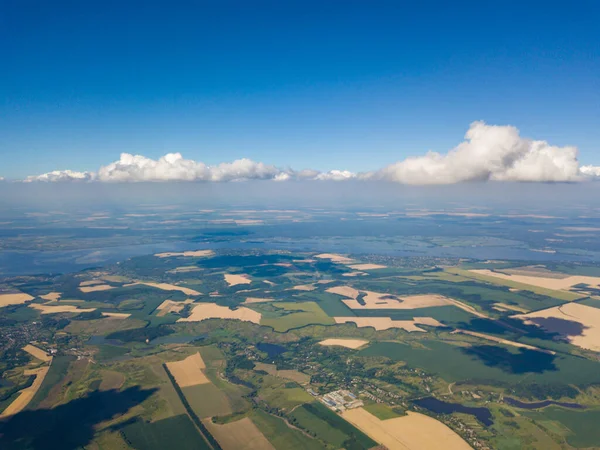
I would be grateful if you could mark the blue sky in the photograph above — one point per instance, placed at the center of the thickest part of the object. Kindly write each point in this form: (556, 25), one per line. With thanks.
(325, 85)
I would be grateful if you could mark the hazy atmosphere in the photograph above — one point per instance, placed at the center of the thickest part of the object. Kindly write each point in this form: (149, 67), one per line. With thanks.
(299, 225)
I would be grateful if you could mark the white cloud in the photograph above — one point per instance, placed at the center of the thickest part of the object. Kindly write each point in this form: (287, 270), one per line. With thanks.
(489, 152)
(306, 174)
(335, 175)
(283, 176)
(174, 167)
(61, 175)
(590, 171)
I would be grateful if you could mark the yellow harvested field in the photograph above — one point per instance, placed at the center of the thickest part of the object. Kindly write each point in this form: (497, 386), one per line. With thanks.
(91, 282)
(167, 287)
(587, 316)
(411, 432)
(239, 435)
(189, 372)
(98, 287)
(258, 300)
(348, 343)
(37, 353)
(116, 315)
(14, 299)
(50, 309)
(506, 307)
(367, 266)
(354, 274)
(335, 258)
(26, 394)
(169, 306)
(345, 291)
(193, 254)
(553, 283)
(204, 311)
(52, 296)
(503, 341)
(234, 280)
(305, 287)
(385, 323)
(377, 300)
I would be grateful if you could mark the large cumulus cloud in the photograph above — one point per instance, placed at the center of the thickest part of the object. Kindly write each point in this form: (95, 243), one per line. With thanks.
(489, 152)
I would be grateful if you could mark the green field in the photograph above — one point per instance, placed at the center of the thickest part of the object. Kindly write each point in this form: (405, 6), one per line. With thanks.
(593, 302)
(318, 427)
(356, 438)
(452, 364)
(331, 304)
(207, 400)
(58, 370)
(164, 433)
(448, 315)
(110, 352)
(296, 315)
(285, 398)
(330, 427)
(583, 425)
(280, 435)
(381, 411)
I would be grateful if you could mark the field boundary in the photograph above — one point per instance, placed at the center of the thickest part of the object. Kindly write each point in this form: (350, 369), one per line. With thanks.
(565, 296)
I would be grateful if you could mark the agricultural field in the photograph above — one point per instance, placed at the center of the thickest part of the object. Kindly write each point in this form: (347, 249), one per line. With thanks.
(241, 434)
(242, 349)
(163, 433)
(285, 316)
(412, 431)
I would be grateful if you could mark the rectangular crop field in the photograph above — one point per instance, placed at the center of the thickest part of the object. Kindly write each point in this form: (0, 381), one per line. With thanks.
(164, 433)
(239, 435)
(207, 400)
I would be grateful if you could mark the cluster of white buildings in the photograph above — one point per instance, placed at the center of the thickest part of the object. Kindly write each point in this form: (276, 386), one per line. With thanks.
(341, 400)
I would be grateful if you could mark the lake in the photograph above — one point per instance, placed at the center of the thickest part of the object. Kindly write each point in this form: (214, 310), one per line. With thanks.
(433, 404)
(272, 350)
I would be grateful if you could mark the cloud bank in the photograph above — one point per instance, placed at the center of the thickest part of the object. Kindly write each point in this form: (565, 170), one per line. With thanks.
(174, 167)
(488, 153)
